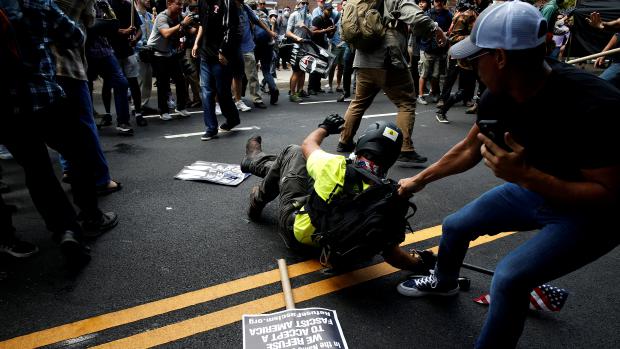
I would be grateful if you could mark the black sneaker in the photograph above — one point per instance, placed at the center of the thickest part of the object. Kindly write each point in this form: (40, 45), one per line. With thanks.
(95, 227)
(255, 208)
(303, 93)
(427, 286)
(17, 248)
(124, 129)
(273, 98)
(208, 136)
(442, 118)
(411, 156)
(311, 92)
(342, 97)
(345, 147)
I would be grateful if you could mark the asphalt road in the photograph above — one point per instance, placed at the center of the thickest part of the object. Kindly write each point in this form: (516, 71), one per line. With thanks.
(186, 254)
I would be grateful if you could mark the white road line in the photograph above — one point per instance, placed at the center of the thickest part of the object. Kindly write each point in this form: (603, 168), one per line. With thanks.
(185, 135)
(157, 115)
(319, 102)
(377, 115)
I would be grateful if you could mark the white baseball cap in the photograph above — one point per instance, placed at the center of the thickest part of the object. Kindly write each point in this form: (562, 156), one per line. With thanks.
(511, 25)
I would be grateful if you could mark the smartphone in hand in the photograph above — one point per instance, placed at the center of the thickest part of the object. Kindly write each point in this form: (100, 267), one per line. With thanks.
(495, 131)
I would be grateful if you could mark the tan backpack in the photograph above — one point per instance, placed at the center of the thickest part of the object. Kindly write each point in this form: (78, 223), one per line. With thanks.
(362, 24)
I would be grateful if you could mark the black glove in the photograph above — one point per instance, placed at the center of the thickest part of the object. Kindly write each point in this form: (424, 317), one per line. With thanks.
(332, 124)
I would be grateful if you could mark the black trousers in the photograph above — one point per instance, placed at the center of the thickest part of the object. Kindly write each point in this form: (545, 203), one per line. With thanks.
(166, 68)
(27, 137)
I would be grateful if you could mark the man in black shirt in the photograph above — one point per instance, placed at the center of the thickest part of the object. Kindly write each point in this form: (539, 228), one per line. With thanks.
(322, 26)
(562, 168)
(217, 43)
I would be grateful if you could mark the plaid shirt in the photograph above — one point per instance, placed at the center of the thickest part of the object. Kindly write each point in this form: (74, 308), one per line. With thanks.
(43, 24)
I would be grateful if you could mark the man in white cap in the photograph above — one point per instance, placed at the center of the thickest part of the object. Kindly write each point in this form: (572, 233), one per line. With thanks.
(561, 168)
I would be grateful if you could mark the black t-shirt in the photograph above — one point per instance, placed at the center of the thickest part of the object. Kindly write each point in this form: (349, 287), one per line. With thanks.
(212, 13)
(321, 22)
(571, 124)
(120, 43)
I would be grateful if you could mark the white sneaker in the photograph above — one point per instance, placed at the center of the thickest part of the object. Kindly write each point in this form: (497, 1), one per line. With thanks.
(165, 117)
(218, 110)
(421, 100)
(241, 106)
(183, 112)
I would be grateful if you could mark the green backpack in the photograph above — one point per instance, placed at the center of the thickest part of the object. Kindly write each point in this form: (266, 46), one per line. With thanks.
(362, 24)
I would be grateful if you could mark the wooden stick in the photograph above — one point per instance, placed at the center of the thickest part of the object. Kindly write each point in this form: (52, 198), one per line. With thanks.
(596, 55)
(133, 9)
(286, 285)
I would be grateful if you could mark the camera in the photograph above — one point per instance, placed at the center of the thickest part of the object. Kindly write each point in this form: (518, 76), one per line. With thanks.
(195, 17)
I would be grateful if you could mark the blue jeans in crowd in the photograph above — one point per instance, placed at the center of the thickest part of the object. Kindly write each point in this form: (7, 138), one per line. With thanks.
(111, 72)
(77, 92)
(215, 80)
(567, 240)
(264, 54)
(612, 74)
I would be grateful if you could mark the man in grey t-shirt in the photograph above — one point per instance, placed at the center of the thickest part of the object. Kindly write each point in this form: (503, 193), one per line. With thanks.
(386, 69)
(165, 39)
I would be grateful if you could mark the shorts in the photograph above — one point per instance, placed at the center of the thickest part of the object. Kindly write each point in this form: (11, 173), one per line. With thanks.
(130, 66)
(433, 65)
(338, 52)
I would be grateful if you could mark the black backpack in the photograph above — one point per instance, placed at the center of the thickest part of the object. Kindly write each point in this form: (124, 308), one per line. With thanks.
(358, 224)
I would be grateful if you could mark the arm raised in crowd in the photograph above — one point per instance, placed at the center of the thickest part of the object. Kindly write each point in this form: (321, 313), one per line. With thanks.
(421, 24)
(595, 21)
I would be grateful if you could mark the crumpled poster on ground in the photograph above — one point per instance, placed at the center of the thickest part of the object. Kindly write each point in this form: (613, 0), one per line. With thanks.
(215, 172)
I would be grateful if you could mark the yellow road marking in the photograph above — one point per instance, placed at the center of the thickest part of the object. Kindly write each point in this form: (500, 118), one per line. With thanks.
(144, 311)
(233, 314)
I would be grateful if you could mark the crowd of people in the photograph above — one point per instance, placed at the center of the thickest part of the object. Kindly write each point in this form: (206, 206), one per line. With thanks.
(561, 174)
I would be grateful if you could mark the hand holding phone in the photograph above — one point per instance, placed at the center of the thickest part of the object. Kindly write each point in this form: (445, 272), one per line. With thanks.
(494, 130)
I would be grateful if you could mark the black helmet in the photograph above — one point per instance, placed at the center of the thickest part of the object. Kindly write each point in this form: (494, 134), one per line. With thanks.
(382, 141)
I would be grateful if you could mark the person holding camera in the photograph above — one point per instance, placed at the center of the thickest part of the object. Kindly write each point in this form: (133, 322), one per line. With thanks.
(165, 38)
(562, 169)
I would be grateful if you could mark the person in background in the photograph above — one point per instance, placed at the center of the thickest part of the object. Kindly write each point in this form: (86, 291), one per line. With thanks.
(103, 62)
(191, 65)
(165, 38)
(435, 56)
(146, 70)
(298, 30)
(322, 29)
(217, 45)
(561, 35)
(612, 73)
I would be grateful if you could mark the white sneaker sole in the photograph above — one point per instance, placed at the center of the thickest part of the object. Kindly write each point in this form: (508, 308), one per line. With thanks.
(414, 292)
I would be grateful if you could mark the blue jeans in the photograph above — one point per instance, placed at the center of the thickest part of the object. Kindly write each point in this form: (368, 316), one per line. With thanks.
(215, 80)
(264, 54)
(77, 92)
(612, 74)
(567, 240)
(111, 72)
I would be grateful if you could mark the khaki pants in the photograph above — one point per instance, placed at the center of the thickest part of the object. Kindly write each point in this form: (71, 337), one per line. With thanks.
(249, 65)
(397, 85)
